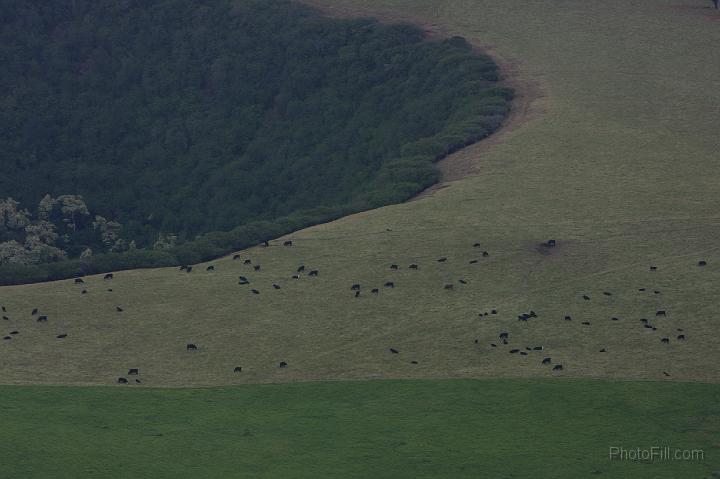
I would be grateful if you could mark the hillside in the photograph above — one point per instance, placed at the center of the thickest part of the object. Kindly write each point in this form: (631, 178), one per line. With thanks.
(168, 132)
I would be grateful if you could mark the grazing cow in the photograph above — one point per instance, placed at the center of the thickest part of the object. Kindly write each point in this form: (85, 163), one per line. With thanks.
(256, 267)
(532, 314)
(546, 361)
(84, 291)
(474, 261)
(679, 330)
(394, 351)
(42, 319)
(236, 257)
(586, 297)
(79, 281)
(648, 326)
(283, 364)
(485, 254)
(122, 381)
(61, 336)
(641, 289)
(295, 276)
(603, 350)
(413, 266)
(4, 310)
(476, 245)
(357, 294)
(355, 287)
(375, 291)
(681, 337)
(255, 291)
(287, 243)
(615, 318)
(133, 372)
(313, 273)
(247, 261)
(538, 348)
(109, 276)
(6, 318)
(449, 286)
(243, 279)
(523, 353)
(389, 284)
(523, 317)
(550, 243)
(702, 263)
(7, 338)
(568, 318)
(666, 373)
(505, 341)
(665, 340)
(301, 268)
(462, 281)
(210, 268)
(503, 335)
(413, 362)
(557, 367)
(494, 311)
(606, 293)
(183, 268)
(118, 309)
(476, 341)
(237, 369)
(189, 269)
(586, 323)
(265, 244)
(13, 333)
(513, 351)
(394, 266)
(190, 347)
(653, 268)
(645, 321)
(656, 292)
(493, 345)
(137, 381)
(660, 312)
(276, 286)
(442, 260)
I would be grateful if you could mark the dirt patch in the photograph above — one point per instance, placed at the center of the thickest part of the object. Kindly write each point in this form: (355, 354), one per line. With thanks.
(466, 162)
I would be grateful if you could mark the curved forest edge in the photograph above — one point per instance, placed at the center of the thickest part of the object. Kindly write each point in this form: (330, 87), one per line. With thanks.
(401, 175)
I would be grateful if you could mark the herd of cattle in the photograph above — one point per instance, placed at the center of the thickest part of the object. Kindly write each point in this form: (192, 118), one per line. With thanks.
(356, 289)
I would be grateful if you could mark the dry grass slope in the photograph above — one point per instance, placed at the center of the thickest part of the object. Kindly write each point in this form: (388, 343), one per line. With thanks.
(619, 164)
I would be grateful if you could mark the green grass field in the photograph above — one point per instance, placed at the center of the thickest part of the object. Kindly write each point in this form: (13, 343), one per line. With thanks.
(616, 159)
(381, 429)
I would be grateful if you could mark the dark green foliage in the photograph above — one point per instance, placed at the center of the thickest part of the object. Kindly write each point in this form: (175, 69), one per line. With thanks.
(181, 117)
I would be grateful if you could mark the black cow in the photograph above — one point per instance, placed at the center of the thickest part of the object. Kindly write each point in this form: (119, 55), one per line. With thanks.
(523, 353)
(355, 287)
(183, 268)
(648, 326)
(603, 350)
(513, 351)
(389, 284)
(109, 276)
(137, 381)
(265, 244)
(375, 291)
(568, 318)
(189, 269)
(681, 337)
(13, 333)
(550, 243)
(237, 369)
(476, 341)
(61, 336)
(586, 323)
(394, 351)
(660, 312)
(666, 373)
(79, 281)
(357, 294)
(532, 314)
(7, 338)
(413, 362)
(4, 310)
(494, 311)
(558, 367)
(586, 297)
(287, 243)
(42, 319)
(503, 335)
(462, 281)
(210, 268)
(283, 364)
(538, 348)
(276, 286)
(653, 268)
(645, 321)
(606, 293)
(243, 280)
(394, 266)
(295, 276)
(476, 245)
(473, 261)
(313, 273)
(84, 291)
(133, 372)
(493, 345)
(702, 263)
(247, 261)
(614, 318)
(122, 381)
(191, 347)
(6, 318)
(546, 360)
(656, 292)
(641, 289)
(301, 269)
(413, 266)
(485, 254)
(256, 267)
(442, 260)
(665, 340)
(236, 257)
(449, 286)
(255, 291)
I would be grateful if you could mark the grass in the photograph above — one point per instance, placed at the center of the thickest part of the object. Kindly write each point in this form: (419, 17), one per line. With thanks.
(413, 429)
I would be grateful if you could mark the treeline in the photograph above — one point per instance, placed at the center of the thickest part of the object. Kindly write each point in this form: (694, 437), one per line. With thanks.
(221, 124)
